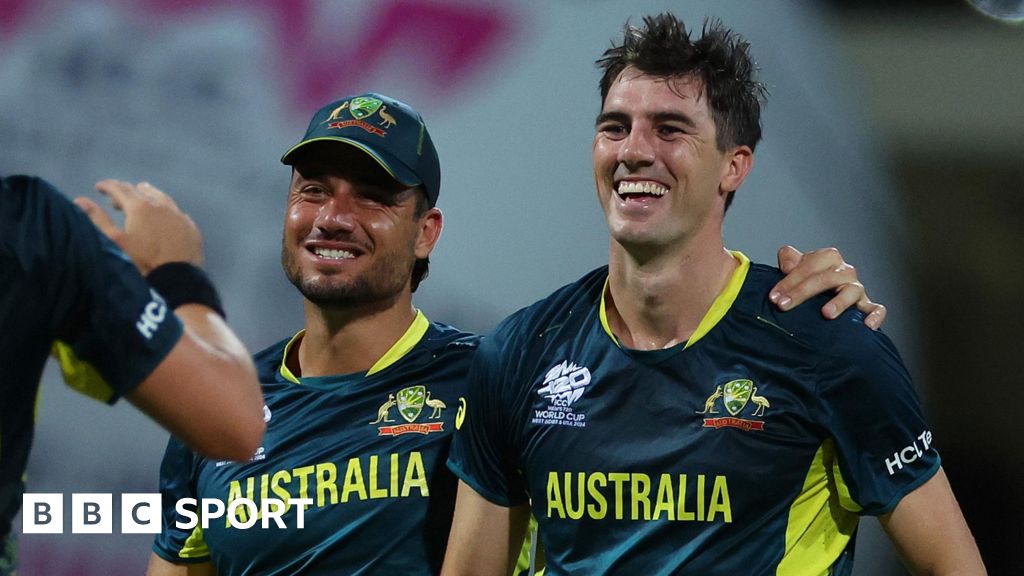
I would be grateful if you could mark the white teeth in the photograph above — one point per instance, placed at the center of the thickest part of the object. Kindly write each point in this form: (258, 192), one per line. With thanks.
(333, 254)
(633, 187)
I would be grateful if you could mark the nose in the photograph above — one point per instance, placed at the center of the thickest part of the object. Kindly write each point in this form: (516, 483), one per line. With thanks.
(336, 213)
(637, 149)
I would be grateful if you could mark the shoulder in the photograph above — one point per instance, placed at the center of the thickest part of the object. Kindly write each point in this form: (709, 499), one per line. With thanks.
(268, 360)
(22, 189)
(32, 205)
(443, 349)
(554, 310)
(449, 338)
(843, 343)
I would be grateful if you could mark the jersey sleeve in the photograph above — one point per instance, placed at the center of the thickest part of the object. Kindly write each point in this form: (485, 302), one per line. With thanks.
(177, 481)
(112, 329)
(885, 447)
(483, 451)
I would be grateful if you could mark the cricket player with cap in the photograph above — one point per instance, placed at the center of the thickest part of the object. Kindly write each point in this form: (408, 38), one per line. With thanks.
(362, 402)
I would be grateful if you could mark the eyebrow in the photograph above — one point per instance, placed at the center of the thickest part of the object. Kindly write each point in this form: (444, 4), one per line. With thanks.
(310, 171)
(663, 116)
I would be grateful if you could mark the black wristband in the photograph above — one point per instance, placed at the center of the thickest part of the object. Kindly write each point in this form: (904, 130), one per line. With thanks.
(182, 283)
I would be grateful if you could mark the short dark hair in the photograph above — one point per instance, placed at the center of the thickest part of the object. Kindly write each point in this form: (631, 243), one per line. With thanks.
(420, 269)
(720, 58)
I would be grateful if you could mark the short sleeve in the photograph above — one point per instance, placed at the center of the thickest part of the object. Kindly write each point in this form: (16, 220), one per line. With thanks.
(483, 454)
(884, 444)
(174, 544)
(113, 329)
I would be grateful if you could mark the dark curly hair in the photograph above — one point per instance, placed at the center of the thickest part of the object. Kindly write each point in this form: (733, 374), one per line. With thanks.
(719, 58)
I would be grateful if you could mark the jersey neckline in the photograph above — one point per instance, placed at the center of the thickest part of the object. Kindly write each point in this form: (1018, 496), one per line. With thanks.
(413, 335)
(719, 308)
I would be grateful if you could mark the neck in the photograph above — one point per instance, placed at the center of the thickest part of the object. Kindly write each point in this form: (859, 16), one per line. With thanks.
(340, 340)
(655, 302)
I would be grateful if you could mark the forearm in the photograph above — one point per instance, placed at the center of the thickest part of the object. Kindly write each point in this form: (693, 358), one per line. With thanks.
(930, 532)
(233, 391)
(206, 391)
(485, 538)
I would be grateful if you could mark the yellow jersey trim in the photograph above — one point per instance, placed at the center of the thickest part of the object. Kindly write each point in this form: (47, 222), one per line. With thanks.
(714, 315)
(284, 371)
(844, 491)
(523, 562)
(195, 546)
(398, 350)
(603, 313)
(407, 342)
(79, 375)
(819, 527)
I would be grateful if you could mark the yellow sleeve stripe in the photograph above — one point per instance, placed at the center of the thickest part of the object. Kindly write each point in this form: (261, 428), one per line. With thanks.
(79, 375)
(819, 527)
(844, 491)
(195, 546)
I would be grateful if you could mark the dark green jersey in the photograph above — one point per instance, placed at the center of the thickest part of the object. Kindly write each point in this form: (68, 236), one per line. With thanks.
(750, 449)
(368, 449)
(61, 279)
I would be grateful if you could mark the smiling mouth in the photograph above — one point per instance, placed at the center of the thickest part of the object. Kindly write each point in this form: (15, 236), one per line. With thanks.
(632, 190)
(332, 254)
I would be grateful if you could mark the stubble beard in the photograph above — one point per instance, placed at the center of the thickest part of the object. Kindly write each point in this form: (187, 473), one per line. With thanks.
(379, 284)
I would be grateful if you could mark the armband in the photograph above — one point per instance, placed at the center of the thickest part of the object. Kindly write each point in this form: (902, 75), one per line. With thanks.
(182, 283)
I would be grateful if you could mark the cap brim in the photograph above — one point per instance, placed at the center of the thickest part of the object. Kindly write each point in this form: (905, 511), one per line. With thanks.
(397, 170)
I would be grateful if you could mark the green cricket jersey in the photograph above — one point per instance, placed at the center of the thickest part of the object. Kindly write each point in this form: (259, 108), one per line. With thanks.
(750, 449)
(368, 450)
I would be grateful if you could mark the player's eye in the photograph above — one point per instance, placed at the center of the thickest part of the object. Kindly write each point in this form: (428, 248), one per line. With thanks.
(670, 130)
(313, 190)
(613, 130)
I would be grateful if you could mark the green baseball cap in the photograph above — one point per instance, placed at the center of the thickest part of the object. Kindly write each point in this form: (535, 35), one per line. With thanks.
(389, 130)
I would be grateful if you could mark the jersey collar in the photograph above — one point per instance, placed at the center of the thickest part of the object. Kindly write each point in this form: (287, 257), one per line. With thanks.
(714, 314)
(399, 349)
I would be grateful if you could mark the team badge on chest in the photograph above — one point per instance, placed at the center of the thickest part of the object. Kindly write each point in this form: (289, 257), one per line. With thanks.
(735, 395)
(409, 403)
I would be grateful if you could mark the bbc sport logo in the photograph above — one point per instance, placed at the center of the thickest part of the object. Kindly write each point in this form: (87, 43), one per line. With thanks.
(141, 513)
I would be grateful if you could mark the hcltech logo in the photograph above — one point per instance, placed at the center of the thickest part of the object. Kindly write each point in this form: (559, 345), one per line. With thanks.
(152, 315)
(563, 385)
(909, 454)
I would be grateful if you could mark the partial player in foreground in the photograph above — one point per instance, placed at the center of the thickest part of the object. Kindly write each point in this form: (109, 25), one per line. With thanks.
(162, 344)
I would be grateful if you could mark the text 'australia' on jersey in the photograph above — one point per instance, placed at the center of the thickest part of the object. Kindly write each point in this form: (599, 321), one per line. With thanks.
(367, 449)
(768, 432)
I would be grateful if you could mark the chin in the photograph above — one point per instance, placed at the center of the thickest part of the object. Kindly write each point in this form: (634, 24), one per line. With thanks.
(631, 232)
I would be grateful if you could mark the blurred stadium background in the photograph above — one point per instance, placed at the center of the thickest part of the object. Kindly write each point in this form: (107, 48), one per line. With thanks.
(893, 131)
